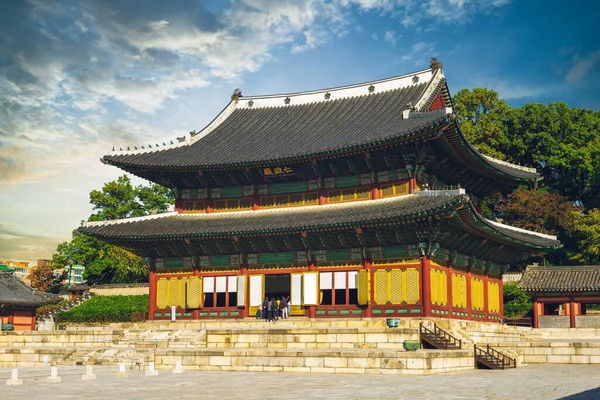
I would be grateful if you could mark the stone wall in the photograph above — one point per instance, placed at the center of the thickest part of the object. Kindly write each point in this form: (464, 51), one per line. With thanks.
(554, 321)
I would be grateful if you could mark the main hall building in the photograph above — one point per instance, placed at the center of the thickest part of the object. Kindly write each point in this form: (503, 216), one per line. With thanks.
(357, 201)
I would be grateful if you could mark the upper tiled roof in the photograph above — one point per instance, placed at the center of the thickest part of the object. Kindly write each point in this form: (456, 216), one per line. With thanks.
(14, 292)
(271, 130)
(584, 278)
(259, 131)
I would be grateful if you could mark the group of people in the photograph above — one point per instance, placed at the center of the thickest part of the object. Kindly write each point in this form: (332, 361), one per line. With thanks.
(272, 310)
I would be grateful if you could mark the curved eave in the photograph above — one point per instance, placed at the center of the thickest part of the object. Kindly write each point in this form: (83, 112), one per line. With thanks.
(439, 122)
(520, 238)
(462, 151)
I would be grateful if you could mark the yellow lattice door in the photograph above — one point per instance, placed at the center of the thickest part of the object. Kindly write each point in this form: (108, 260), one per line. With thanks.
(459, 291)
(162, 300)
(433, 293)
(381, 286)
(477, 294)
(364, 287)
(493, 297)
(443, 277)
(396, 289)
(194, 292)
(411, 277)
(173, 292)
(182, 292)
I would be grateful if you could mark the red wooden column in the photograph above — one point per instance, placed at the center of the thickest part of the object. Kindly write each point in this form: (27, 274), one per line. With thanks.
(322, 197)
(469, 305)
(367, 265)
(196, 272)
(246, 309)
(312, 310)
(572, 314)
(210, 205)
(33, 320)
(485, 296)
(412, 184)
(426, 287)
(375, 191)
(152, 291)
(449, 290)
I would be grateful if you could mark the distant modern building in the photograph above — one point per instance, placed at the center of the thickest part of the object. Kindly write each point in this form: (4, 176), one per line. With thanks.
(74, 274)
(21, 269)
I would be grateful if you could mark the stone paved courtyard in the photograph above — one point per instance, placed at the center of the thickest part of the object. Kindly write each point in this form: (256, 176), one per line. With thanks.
(527, 382)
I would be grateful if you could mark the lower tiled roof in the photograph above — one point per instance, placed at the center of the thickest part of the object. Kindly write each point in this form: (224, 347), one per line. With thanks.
(584, 278)
(279, 220)
(16, 293)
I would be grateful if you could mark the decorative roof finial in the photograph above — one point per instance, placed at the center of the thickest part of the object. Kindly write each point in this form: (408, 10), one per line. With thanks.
(237, 93)
(434, 64)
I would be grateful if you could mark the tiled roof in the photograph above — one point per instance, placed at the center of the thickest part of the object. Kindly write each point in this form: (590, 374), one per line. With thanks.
(278, 220)
(14, 292)
(283, 220)
(257, 135)
(561, 279)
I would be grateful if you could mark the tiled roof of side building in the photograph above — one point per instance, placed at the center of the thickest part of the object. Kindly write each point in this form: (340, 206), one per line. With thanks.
(14, 292)
(585, 278)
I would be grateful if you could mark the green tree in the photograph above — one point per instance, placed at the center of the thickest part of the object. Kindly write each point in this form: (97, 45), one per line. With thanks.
(104, 262)
(563, 143)
(517, 303)
(585, 232)
(120, 199)
(117, 265)
(481, 114)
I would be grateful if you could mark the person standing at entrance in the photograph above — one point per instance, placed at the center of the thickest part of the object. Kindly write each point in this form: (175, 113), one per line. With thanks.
(289, 306)
(265, 304)
(283, 307)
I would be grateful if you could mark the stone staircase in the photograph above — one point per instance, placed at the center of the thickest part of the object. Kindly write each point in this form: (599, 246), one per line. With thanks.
(438, 338)
(489, 358)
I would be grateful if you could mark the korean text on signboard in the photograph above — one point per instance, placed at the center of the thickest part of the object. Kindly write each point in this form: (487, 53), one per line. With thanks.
(277, 171)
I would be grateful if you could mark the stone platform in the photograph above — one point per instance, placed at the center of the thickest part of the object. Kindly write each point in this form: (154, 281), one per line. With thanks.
(361, 346)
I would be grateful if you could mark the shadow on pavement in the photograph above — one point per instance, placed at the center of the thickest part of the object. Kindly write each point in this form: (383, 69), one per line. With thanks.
(592, 394)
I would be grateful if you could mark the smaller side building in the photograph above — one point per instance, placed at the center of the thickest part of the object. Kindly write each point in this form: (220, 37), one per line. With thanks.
(19, 302)
(562, 295)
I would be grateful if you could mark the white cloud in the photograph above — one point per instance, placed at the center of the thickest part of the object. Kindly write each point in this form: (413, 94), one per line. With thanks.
(582, 67)
(391, 37)
(419, 53)
(511, 90)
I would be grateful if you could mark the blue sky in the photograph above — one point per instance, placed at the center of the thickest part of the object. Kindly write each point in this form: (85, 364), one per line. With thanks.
(79, 77)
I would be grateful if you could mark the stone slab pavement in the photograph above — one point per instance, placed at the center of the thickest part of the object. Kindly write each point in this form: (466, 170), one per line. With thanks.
(578, 382)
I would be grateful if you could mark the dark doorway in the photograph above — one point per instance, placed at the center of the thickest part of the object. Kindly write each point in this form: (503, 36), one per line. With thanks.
(277, 286)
